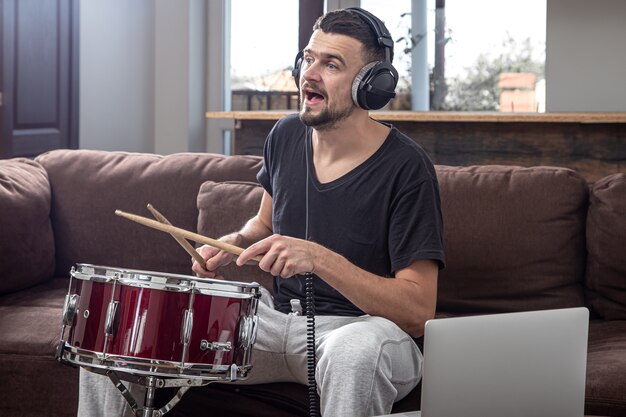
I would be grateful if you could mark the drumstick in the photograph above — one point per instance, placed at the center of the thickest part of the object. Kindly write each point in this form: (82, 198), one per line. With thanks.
(181, 241)
(173, 230)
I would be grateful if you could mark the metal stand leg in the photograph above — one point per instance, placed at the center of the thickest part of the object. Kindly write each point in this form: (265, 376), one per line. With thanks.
(179, 394)
(148, 407)
(152, 383)
(122, 388)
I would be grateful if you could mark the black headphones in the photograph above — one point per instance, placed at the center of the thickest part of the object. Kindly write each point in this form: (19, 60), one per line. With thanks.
(375, 84)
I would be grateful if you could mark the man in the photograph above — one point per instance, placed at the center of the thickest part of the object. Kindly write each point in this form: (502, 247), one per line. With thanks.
(356, 203)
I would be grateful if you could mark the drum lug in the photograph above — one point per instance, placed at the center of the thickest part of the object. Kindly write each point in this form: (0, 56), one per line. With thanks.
(185, 333)
(255, 326)
(247, 331)
(110, 317)
(70, 307)
(219, 346)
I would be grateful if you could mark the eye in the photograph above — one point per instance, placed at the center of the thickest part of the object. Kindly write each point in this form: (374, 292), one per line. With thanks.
(331, 66)
(308, 60)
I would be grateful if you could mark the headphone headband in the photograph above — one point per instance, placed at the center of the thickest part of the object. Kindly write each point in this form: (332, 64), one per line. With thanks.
(383, 37)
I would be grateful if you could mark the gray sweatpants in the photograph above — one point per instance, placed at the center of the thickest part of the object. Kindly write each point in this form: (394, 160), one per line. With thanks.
(364, 365)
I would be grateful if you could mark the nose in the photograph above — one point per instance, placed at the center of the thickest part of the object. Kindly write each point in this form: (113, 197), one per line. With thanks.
(310, 72)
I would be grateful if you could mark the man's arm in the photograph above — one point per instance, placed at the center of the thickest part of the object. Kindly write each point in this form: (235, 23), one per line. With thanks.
(408, 300)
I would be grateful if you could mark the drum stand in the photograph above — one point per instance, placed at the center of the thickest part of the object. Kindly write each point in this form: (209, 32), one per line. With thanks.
(152, 383)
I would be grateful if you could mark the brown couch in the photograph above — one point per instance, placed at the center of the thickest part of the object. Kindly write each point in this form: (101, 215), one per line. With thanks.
(516, 239)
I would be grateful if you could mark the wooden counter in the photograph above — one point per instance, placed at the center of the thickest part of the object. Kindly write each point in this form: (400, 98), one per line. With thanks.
(594, 144)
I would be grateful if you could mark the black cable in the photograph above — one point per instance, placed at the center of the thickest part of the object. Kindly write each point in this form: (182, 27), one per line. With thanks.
(310, 344)
(310, 298)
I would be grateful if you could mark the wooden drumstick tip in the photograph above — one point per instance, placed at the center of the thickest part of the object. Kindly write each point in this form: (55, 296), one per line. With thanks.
(181, 241)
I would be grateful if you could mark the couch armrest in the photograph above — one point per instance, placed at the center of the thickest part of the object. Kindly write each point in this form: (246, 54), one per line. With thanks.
(26, 241)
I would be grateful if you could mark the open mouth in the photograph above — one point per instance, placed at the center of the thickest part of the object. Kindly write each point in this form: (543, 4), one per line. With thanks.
(312, 97)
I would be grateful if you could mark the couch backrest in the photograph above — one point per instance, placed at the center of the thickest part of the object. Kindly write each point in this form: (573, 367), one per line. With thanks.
(88, 186)
(606, 246)
(514, 238)
(225, 207)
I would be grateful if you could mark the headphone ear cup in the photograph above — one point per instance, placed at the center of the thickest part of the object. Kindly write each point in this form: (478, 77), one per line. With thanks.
(374, 85)
(358, 82)
(296, 68)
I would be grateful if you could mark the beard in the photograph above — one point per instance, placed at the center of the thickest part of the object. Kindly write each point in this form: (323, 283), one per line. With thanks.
(326, 119)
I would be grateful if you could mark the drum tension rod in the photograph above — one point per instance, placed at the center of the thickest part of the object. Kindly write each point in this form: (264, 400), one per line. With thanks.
(219, 346)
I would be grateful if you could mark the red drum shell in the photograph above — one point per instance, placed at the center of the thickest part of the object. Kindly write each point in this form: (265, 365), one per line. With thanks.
(149, 322)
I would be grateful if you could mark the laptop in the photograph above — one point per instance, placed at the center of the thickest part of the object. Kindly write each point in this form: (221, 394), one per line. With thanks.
(516, 364)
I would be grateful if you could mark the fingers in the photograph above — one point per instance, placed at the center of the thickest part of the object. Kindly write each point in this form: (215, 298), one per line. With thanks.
(214, 258)
(200, 271)
(259, 248)
(281, 256)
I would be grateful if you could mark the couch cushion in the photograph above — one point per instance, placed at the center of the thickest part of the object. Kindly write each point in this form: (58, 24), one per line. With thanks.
(606, 244)
(50, 293)
(606, 368)
(30, 321)
(514, 238)
(30, 330)
(26, 240)
(88, 186)
(224, 208)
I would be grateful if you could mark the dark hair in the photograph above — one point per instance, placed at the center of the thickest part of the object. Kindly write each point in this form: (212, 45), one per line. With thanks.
(349, 23)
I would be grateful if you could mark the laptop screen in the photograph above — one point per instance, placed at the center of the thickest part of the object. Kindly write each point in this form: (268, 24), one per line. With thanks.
(515, 364)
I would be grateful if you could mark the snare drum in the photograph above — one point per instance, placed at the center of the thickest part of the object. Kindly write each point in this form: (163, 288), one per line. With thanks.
(151, 323)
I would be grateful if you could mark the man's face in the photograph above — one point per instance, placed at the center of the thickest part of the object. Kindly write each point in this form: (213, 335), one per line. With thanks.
(330, 64)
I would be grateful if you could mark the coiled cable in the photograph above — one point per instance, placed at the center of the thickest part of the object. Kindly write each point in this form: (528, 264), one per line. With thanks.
(310, 344)
(311, 359)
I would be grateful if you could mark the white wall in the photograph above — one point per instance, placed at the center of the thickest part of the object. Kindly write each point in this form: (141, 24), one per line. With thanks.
(171, 53)
(586, 56)
(142, 75)
(117, 75)
(179, 104)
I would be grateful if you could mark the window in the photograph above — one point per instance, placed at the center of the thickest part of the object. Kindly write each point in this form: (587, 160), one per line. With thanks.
(494, 52)
(264, 44)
